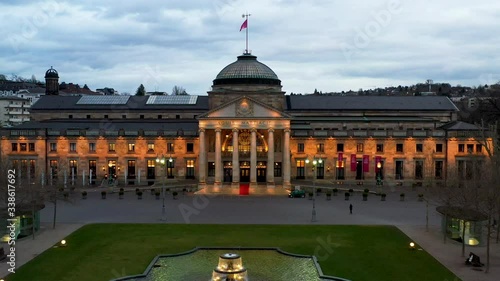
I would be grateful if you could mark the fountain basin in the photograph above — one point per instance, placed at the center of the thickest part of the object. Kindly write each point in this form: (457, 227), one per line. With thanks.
(269, 264)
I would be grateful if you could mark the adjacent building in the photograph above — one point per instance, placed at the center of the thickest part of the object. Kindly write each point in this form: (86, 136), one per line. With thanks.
(246, 129)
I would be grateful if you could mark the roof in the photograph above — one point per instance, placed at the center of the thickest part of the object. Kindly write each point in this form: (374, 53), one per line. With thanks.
(12, 98)
(247, 69)
(112, 125)
(51, 73)
(55, 102)
(460, 126)
(462, 213)
(389, 103)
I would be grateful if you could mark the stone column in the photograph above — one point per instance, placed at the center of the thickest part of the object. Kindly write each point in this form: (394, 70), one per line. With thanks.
(253, 157)
(236, 157)
(270, 157)
(202, 163)
(286, 158)
(218, 158)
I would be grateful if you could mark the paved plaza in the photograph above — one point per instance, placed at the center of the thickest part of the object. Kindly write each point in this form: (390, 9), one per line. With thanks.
(222, 208)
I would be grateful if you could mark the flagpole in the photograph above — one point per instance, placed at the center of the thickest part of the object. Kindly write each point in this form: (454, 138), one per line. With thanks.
(246, 32)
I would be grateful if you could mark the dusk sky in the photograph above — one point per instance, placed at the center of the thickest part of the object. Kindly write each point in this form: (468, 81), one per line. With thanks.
(323, 44)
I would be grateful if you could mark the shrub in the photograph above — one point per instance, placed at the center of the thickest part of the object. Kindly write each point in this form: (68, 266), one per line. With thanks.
(139, 193)
(351, 190)
(366, 190)
(335, 190)
(84, 193)
(121, 189)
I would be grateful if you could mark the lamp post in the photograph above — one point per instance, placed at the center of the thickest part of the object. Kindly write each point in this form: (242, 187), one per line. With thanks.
(162, 162)
(315, 170)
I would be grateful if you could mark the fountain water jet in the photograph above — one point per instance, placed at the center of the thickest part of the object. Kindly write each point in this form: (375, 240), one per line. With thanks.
(230, 268)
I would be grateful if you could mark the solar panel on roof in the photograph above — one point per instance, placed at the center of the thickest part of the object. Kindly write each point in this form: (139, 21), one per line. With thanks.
(172, 100)
(103, 100)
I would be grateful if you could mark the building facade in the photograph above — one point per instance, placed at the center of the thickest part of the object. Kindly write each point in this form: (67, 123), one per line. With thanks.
(245, 130)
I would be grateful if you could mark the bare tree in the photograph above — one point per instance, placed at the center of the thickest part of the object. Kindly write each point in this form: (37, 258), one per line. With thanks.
(179, 91)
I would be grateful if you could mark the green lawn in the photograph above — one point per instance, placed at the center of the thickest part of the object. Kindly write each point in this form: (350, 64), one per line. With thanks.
(101, 252)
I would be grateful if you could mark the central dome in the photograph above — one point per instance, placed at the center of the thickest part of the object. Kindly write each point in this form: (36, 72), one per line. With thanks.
(247, 70)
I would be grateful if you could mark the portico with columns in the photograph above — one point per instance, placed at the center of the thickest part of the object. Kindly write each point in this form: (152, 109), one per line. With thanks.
(244, 141)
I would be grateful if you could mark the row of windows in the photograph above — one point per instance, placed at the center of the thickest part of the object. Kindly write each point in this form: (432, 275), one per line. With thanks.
(124, 116)
(320, 148)
(470, 148)
(112, 147)
(23, 146)
(359, 172)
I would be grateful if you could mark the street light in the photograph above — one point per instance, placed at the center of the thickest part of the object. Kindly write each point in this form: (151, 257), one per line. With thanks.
(315, 163)
(161, 161)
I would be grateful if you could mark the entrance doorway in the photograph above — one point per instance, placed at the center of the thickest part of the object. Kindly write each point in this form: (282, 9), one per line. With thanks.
(359, 169)
(261, 171)
(245, 172)
(228, 171)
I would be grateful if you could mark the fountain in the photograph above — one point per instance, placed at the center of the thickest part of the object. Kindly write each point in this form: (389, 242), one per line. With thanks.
(230, 268)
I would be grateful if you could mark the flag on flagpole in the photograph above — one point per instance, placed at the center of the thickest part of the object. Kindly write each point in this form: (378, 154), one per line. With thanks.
(244, 25)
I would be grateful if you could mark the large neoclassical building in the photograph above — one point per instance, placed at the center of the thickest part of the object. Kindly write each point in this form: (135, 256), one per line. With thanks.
(245, 130)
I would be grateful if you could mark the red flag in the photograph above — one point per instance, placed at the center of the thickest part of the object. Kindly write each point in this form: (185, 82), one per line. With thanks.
(244, 25)
(353, 162)
(366, 163)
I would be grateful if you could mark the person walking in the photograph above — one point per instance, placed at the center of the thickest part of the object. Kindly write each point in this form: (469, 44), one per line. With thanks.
(350, 209)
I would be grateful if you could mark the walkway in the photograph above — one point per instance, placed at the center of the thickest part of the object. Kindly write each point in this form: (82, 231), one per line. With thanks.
(271, 207)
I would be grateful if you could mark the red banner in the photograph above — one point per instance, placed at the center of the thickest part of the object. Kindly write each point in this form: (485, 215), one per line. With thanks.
(366, 163)
(353, 163)
(341, 157)
(378, 159)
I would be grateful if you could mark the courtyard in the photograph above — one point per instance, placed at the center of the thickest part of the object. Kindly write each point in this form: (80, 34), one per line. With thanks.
(120, 237)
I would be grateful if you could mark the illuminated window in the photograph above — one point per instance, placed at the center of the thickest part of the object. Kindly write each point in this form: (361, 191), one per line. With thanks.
(73, 168)
(301, 164)
(277, 169)
(131, 147)
(111, 147)
(359, 147)
(170, 147)
(189, 169)
(23, 147)
(151, 147)
(320, 147)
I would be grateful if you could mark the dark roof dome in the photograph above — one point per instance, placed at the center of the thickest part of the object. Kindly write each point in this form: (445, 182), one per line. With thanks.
(247, 70)
(51, 73)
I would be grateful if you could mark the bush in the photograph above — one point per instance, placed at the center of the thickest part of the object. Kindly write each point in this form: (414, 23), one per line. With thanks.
(351, 190)
(366, 190)
(402, 195)
(139, 193)
(137, 190)
(420, 195)
(121, 192)
(103, 193)
(157, 193)
(84, 193)
(121, 189)
(383, 195)
(335, 190)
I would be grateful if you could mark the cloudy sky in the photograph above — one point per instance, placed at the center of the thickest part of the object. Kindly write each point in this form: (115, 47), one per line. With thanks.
(331, 45)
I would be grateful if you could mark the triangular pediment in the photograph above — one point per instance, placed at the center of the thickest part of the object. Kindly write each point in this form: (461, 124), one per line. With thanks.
(242, 108)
